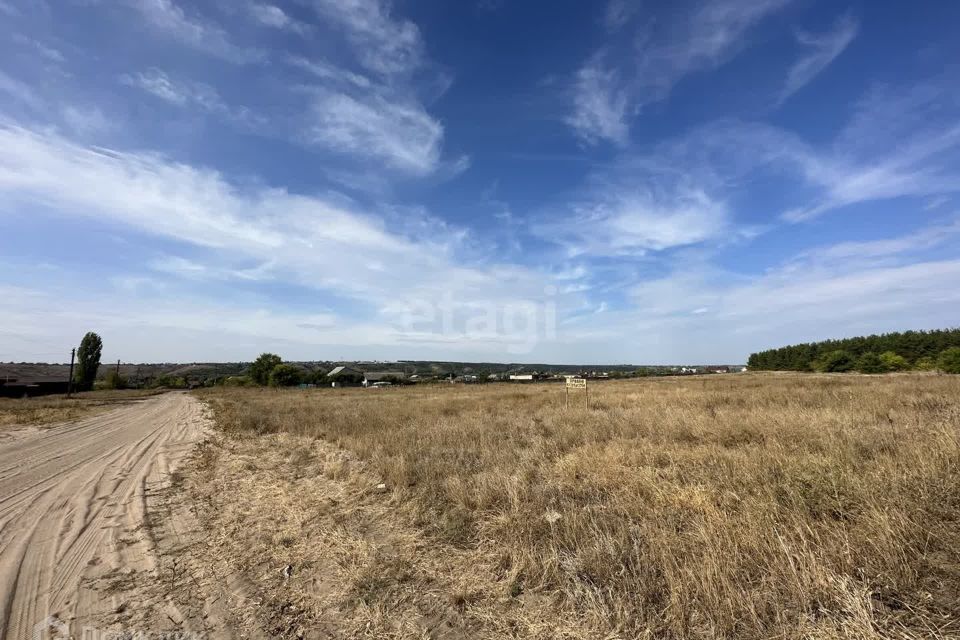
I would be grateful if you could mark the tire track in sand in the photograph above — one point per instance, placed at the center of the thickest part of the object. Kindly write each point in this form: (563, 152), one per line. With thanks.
(69, 495)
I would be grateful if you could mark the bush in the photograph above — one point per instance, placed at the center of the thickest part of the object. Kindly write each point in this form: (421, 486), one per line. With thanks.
(893, 361)
(925, 364)
(949, 360)
(116, 381)
(169, 382)
(835, 362)
(871, 363)
(285, 375)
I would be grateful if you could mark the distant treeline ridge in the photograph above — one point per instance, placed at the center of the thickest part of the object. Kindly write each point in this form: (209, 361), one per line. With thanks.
(913, 346)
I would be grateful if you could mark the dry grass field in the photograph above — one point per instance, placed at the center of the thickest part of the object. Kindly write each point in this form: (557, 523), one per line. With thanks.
(45, 410)
(737, 506)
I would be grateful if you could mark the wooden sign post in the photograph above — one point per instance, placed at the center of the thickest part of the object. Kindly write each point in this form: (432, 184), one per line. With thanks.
(576, 383)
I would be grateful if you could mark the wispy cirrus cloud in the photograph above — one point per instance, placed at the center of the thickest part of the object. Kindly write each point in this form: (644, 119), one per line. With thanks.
(200, 34)
(383, 43)
(659, 56)
(328, 72)
(367, 104)
(705, 38)
(600, 109)
(900, 143)
(174, 91)
(402, 135)
(19, 90)
(273, 16)
(319, 242)
(820, 50)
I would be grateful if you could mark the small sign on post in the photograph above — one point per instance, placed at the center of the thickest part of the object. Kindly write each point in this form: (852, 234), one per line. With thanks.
(576, 383)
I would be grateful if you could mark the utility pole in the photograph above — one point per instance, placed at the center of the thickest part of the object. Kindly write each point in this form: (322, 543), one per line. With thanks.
(70, 381)
(118, 368)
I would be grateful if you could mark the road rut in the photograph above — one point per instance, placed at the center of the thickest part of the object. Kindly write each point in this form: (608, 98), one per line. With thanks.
(71, 497)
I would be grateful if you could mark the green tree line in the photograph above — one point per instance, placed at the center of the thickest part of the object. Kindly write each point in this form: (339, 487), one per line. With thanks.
(869, 354)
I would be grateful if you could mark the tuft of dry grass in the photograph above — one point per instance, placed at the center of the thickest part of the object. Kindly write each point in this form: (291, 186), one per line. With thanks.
(738, 506)
(44, 410)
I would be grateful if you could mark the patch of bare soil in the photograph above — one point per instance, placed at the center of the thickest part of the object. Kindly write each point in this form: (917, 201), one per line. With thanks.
(78, 557)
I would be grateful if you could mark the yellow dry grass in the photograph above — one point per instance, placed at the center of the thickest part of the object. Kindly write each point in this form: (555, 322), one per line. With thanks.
(738, 506)
(44, 410)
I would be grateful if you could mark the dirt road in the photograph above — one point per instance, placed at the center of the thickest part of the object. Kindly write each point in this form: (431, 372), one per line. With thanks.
(74, 501)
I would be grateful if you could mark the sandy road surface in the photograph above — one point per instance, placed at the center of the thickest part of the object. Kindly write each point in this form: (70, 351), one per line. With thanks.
(73, 501)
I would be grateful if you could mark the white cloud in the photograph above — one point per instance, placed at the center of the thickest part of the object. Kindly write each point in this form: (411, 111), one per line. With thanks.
(19, 91)
(633, 221)
(86, 121)
(400, 134)
(326, 71)
(599, 105)
(618, 13)
(889, 248)
(189, 94)
(821, 50)
(707, 37)
(168, 17)
(49, 53)
(247, 232)
(701, 39)
(272, 16)
(383, 44)
(376, 115)
(177, 92)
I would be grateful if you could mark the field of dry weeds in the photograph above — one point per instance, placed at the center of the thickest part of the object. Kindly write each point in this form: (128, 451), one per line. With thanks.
(737, 506)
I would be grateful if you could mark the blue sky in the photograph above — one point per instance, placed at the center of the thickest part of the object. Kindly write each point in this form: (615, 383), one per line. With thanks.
(628, 182)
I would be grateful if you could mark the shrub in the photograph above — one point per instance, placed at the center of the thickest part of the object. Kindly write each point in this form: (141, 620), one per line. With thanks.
(870, 362)
(893, 361)
(116, 381)
(949, 360)
(835, 362)
(925, 364)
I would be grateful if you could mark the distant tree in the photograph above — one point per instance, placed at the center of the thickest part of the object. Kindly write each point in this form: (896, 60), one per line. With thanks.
(116, 381)
(285, 375)
(893, 361)
(88, 360)
(912, 345)
(169, 382)
(836, 361)
(949, 360)
(260, 370)
(870, 362)
(925, 363)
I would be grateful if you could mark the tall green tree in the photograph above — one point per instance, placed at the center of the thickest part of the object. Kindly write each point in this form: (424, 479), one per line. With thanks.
(285, 375)
(88, 360)
(260, 370)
